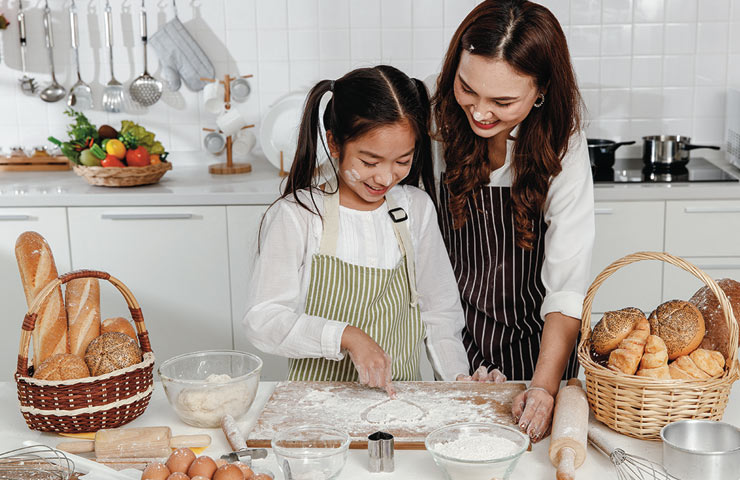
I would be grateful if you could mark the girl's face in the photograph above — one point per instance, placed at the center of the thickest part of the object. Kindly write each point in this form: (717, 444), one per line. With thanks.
(373, 163)
(494, 97)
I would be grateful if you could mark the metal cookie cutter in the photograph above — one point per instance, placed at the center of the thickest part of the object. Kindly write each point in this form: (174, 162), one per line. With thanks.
(380, 450)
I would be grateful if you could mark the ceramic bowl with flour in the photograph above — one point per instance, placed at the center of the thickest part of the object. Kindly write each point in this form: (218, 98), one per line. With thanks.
(204, 386)
(476, 451)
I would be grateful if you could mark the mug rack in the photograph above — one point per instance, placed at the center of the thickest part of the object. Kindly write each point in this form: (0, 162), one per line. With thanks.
(229, 167)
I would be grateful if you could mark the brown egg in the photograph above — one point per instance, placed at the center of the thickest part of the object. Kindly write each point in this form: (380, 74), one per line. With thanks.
(178, 476)
(180, 460)
(199, 477)
(228, 472)
(220, 462)
(262, 476)
(248, 473)
(155, 471)
(202, 465)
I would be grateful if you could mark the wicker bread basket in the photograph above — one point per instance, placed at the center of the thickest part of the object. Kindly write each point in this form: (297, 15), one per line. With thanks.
(638, 406)
(122, 176)
(85, 404)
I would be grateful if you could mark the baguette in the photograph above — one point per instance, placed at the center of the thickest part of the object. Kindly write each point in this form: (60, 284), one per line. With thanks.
(37, 269)
(82, 298)
(628, 354)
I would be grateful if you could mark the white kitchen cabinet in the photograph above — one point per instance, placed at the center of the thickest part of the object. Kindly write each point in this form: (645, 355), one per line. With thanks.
(244, 222)
(623, 228)
(51, 223)
(680, 284)
(703, 228)
(174, 260)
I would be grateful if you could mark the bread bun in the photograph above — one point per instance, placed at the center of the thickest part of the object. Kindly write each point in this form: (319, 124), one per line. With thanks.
(680, 325)
(613, 328)
(717, 336)
(685, 368)
(62, 366)
(118, 324)
(111, 351)
(710, 361)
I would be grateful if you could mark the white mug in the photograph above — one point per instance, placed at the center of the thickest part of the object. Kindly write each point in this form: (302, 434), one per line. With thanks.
(244, 143)
(240, 89)
(213, 97)
(230, 121)
(214, 142)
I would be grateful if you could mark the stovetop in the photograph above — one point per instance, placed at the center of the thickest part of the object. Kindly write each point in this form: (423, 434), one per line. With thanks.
(633, 170)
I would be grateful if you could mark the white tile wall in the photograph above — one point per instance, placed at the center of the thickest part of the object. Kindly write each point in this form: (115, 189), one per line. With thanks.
(644, 66)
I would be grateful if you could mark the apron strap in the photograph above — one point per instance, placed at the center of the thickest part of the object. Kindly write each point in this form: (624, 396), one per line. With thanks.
(331, 224)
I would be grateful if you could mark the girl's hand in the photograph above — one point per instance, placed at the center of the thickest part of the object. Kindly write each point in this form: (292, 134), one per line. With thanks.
(532, 410)
(483, 375)
(373, 365)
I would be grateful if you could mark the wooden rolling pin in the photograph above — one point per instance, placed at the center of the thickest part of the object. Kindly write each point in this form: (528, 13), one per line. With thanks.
(135, 443)
(569, 430)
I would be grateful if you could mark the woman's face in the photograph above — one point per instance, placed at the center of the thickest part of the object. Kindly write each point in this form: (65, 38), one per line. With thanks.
(373, 163)
(494, 97)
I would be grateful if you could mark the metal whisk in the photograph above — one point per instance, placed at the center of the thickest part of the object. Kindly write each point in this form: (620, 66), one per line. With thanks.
(37, 462)
(628, 466)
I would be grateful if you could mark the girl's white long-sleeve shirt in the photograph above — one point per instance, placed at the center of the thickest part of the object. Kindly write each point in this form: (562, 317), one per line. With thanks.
(276, 321)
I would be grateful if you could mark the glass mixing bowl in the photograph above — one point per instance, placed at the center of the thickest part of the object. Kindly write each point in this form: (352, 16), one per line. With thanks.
(476, 451)
(312, 452)
(204, 386)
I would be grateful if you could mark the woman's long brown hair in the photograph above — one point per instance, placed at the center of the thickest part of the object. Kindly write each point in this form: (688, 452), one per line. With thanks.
(529, 39)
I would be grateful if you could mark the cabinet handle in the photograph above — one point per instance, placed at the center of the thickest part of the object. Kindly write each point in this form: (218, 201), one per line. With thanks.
(719, 266)
(10, 218)
(603, 211)
(146, 216)
(712, 209)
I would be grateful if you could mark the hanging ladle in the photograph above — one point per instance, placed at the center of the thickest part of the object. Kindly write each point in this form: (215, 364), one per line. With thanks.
(80, 95)
(54, 92)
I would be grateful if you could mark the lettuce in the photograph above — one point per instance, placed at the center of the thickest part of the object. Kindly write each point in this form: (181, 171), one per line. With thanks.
(142, 136)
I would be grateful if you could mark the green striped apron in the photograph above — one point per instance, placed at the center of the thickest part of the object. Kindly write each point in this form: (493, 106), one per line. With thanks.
(380, 301)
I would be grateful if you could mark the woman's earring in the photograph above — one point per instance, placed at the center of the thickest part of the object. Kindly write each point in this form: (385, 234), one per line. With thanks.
(540, 100)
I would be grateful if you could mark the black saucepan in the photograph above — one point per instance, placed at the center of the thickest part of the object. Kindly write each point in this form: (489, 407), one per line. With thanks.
(668, 150)
(601, 151)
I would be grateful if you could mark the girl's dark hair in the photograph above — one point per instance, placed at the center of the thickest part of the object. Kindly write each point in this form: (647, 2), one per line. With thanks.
(529, 39)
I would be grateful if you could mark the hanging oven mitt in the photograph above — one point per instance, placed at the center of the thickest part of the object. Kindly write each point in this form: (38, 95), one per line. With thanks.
(181, 57)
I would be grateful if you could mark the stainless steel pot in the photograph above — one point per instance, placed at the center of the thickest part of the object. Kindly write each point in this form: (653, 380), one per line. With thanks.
(668, 150)
(701, 449)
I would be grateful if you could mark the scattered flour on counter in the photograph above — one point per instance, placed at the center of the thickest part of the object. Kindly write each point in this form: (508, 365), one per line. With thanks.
(394, 410)
(477, 448)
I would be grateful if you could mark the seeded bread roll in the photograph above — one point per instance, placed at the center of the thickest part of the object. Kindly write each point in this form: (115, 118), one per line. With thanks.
(111, 351)
(680, 325)
(717, 336)
(613, 328)
(62, 366)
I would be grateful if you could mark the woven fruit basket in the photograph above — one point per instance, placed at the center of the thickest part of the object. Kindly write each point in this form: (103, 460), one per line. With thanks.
(85, 404)
(123, 176)
(639, 406)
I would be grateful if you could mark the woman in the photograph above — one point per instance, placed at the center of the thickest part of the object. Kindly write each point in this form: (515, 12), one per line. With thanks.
(516, 197)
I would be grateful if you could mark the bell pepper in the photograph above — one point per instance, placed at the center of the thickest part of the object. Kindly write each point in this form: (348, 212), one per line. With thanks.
(97, 151)
(138, 157)
(112, 161)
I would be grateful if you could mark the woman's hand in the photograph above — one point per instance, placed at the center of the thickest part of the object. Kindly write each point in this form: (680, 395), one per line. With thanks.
(483, 375)
(373, 365)
(532, 410)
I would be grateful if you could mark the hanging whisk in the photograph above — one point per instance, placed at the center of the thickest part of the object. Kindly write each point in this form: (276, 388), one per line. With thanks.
(37, 462)
(628, 466)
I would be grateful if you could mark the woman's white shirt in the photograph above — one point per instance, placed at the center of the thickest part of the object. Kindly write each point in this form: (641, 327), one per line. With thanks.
(276, 321)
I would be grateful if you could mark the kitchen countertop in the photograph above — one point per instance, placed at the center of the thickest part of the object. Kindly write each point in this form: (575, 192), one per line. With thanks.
(189, 183)
(408, 463)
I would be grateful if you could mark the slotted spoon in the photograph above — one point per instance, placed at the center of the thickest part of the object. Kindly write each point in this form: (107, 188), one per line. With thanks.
(113, 92)
(28, 84)
(80, 95)
(146, 89)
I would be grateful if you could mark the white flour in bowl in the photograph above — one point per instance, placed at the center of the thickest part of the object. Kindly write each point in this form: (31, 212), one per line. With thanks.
(477, 448)
(204, 406)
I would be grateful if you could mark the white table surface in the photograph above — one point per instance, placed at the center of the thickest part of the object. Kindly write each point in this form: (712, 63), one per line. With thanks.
(409, 464)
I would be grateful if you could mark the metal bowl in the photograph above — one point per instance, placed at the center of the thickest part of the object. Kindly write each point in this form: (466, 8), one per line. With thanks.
(694, 449)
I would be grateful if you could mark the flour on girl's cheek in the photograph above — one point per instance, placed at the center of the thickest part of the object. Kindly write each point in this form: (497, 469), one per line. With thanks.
(353, 176)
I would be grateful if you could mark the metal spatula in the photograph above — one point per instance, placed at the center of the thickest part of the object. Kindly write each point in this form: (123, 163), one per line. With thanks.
(146, 89)
(113, 92)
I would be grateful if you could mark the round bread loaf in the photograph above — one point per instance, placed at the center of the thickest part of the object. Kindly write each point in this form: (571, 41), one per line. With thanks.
(62, 366)
(118, 324)
(717, 336)
(680, 325)
(613, 328)
(111, 351)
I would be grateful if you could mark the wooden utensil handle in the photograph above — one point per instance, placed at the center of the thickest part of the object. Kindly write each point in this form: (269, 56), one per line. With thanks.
(198, 441)
(80, 446)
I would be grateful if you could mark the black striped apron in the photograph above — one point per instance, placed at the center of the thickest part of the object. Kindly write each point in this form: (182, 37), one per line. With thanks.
(500, 285)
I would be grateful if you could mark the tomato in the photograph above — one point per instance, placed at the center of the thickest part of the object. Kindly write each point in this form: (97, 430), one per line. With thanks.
(116, 148)
(138, 157)
(112, 161)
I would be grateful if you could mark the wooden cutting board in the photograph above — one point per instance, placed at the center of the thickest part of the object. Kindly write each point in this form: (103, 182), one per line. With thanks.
(419, 408)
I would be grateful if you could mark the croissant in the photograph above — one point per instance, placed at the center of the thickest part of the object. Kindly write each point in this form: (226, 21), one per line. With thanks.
(684, 368)
(626, 357)
(710, 361)
(654, 362)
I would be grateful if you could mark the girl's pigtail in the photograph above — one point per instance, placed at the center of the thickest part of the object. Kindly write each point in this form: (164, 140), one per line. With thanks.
(424, 144)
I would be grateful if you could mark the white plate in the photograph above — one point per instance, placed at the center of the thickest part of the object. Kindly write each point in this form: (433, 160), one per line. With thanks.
(279, 130)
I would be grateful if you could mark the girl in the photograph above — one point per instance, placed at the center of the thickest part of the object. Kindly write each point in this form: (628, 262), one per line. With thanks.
(352, 272)
(517, 211)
